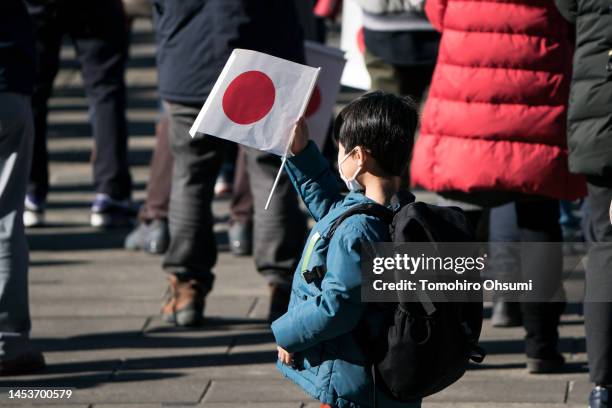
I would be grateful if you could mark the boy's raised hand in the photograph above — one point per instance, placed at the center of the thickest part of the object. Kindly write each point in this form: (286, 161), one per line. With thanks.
(301, 137)
(284, 356)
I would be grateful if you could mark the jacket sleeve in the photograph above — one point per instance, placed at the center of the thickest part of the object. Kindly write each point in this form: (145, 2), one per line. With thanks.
(568, 9)
(435, 10)
(313, 179)
(336, 310)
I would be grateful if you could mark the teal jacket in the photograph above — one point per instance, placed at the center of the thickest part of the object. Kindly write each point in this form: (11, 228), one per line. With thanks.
(328, 363)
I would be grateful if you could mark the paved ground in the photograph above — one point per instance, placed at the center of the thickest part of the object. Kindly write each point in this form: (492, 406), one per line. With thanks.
(94, 306)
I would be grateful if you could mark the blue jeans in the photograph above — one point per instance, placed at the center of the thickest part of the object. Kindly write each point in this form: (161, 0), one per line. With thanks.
(16, 135)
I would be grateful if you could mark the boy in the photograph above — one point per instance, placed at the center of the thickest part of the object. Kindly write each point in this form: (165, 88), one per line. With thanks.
(316, 345)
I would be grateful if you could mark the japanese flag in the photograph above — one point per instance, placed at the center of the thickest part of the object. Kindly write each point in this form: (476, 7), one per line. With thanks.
(352, 41)
(256, 101)
(321, 106)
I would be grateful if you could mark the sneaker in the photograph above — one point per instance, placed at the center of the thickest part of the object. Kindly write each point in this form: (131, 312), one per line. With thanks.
(240, 237)
(26, 363)
(600, 397)
(107, 212)
(223, 188)
(225, 181)
(185, 300)
(157, 238)
(572, 233)
(34, 212)
(506, 314)
(153, 237)
(135, 240)
(545, 366)
(279, 301)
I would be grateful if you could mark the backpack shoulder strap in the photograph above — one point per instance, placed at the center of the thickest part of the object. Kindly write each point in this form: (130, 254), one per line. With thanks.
(375, 210)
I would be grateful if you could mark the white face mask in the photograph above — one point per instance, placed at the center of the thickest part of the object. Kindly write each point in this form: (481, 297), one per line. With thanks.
(352, 184)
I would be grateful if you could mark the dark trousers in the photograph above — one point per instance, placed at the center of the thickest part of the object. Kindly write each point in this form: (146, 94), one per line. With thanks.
(532, 221)
(98, 31)
(192, 252)
(279, 232)
(16, 134)
(597, 312)
(160, 175)
(241, 210)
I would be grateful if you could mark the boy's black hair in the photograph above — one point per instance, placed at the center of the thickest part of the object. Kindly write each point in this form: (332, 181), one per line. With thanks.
(382, 123)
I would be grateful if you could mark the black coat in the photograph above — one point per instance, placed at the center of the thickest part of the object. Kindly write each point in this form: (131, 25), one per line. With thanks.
(16, 48)
(590, 110)
(196, 37)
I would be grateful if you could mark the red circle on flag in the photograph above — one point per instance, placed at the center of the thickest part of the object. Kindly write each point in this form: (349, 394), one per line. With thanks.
(249, 97)
(361, 40)
(314, 103)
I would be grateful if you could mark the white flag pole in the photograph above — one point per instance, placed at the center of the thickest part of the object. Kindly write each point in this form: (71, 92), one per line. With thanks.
(284, 159)
(278, 175)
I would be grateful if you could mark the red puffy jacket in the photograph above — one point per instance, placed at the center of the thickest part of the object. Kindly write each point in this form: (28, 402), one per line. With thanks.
(495, 118)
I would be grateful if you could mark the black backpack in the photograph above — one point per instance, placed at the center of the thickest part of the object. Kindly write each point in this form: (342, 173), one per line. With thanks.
(427, 347)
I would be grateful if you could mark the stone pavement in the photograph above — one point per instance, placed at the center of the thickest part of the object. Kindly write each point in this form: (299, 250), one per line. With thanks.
(94, 305)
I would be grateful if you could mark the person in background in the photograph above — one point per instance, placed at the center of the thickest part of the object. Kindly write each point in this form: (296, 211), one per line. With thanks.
(224, 186)
(492, 133)
(240, 232)
(191, 55)
(401, 46)
(101, 48)
(590, 144)
(151, 232)
(570, 222)
(17, 60)
(308, 20)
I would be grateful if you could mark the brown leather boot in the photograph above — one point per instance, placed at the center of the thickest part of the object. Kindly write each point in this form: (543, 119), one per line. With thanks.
(26, 363)
(279, 301)
(184, 302)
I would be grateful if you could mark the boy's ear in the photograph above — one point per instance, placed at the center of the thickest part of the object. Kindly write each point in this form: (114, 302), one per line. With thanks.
(360, 155)
(364, 156)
